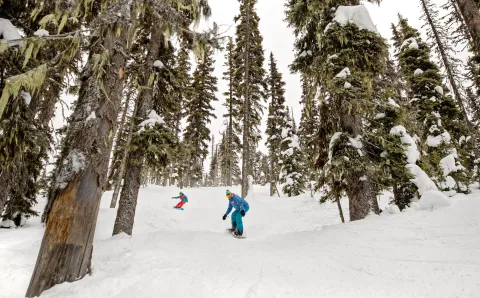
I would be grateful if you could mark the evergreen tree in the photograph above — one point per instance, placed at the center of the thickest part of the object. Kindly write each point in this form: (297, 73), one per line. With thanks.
(232, 116)
(342, 59)
(213, 175)
(275, 122)
(292, 175)
(440, 37)
(471, 15)
(442, 128)
(199, 109)
(229, 163)
(249, 75)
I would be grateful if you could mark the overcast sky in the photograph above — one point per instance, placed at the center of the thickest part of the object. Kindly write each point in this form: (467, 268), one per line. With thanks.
(279, 39)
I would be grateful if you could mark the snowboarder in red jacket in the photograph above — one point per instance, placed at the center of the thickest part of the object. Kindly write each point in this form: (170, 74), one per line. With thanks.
(183, 199)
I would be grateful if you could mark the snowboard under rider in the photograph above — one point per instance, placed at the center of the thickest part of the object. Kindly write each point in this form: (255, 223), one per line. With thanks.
(241, 208)
(183, 199)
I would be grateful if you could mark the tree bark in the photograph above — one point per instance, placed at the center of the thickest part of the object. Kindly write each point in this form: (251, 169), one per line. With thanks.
(246, 113)
(131, 185)
(66, 249)
(471, 15)
(361, 192)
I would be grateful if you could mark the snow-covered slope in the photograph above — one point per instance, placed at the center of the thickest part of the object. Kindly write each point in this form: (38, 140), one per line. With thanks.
(294, 248)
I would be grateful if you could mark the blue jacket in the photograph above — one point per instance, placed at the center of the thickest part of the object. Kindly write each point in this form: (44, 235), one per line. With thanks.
(183, 198)
(238, 203)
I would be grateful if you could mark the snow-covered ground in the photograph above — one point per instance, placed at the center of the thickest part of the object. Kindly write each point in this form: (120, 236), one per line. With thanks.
(294, 248)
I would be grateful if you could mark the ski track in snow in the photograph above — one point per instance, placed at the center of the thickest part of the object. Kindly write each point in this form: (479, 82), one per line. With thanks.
(295, 247)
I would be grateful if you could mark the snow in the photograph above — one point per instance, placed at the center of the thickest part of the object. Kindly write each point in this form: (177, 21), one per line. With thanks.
(357, 142)
(158, 64)
(331, 57)
(344, 73)
(152, 119)
(418, 71)
(393, 103)
(411, 42)
(450, 182)
(347, 85)
(333, 140)
(357, 15)
(437, 140)
(449, 165)
(288, 152)
(284, 133)
(41, 32)
(433, 99)
(295, 247)
(26, 96)
(10, 33)
(380, 116)
(421, 179)
(411, 150)
(73, 164)
(91, 116)
(433, 199)
(439, 90)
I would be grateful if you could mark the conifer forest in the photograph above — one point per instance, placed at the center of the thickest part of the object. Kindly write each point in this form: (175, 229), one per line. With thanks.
(145, 113)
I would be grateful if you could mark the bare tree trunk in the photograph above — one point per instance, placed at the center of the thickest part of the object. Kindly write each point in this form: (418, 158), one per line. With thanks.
(66, 249)
(361, 192)
(340, 210)
(120, 135)
(121, 169)
(471, 15)
(131, 185)
(246, 113)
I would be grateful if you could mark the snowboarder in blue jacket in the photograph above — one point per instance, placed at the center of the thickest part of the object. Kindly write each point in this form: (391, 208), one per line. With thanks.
(241, 208)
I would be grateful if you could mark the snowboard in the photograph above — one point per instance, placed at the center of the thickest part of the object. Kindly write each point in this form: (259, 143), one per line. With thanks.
(238, 237)
(178, 208)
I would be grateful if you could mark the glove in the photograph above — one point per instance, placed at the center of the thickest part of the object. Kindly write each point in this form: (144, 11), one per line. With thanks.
(242, 212)
(224, 217)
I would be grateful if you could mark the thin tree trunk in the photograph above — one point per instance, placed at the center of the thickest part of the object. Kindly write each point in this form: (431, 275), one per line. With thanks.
(66, 250)
(121, 132)
(131, 185)
(471, 15)
(246, 112)
(340, 210)
(121, 169)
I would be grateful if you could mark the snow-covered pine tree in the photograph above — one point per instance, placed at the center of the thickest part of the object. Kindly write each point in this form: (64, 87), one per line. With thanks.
(275, 122)
(229, 164)
(199, 112)
(292, 161)
(390, 146)
(232, 116)
(308, 132)
(442, 133)
(249, 75)
(214, 173)
(339, 48)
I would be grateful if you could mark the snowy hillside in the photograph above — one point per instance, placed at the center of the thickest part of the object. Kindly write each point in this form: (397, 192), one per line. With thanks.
(294, 248)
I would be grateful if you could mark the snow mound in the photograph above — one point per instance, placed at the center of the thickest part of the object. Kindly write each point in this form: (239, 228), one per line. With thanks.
(152, 119)
(344, 73)
(26, 97)
(357, 15)
(347, 85)
(410, 42)
(158, 64)
(10, 33)
(439, 90)
(433, 199)
(421, 179)
(449, 165)
(437, 140)
(418, 71)
(411, 150)
(393, 103)
(41, 33)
